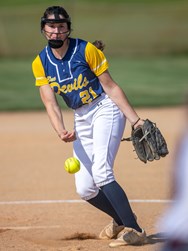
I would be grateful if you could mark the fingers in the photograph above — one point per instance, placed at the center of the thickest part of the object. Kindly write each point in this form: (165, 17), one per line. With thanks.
(68, 136)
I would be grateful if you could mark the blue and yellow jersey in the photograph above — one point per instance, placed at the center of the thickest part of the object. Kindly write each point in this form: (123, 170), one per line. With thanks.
(75, 77)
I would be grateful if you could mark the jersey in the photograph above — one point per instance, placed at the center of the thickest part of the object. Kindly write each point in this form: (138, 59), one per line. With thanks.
(75, 77)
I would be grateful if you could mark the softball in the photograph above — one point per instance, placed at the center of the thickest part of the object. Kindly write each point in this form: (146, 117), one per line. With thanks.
(72, 165)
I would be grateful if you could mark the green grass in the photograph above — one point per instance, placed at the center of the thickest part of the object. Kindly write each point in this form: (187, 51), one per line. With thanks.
(17, 91)
(146, 42)
(150, 82)
(129, 27)
(160, 81)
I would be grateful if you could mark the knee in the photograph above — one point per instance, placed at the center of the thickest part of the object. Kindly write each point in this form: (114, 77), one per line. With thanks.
(86, 192)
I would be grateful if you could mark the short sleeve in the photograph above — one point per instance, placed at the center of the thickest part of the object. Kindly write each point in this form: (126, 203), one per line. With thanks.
(96, 59)
(38, 72)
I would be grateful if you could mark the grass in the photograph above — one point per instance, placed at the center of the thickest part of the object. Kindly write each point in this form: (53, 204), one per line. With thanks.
(146, 42)
(17, 91)
(160, 81)
(127, 27)
(150, 82)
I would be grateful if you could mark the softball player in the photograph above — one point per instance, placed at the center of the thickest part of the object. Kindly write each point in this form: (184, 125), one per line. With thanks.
(78, 71)
(174, 220)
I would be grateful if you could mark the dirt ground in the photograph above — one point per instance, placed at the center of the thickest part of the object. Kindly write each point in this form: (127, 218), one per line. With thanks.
(39, 208)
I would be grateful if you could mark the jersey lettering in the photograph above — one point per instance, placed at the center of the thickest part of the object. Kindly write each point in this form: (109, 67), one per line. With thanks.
(75, 77)
(87, 96)
(79, 83)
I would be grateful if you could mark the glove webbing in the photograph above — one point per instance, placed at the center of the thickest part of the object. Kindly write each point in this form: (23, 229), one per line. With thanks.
(144, 136)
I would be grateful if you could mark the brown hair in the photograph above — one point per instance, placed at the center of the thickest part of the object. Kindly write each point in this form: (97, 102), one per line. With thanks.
(56, 10)
(99, 44)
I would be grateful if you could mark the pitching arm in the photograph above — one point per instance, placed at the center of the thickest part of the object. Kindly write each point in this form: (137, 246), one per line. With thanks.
(55, 114)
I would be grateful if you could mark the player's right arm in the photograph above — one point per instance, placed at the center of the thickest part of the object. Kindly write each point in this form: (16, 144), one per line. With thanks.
(50, 102)
(54, 113)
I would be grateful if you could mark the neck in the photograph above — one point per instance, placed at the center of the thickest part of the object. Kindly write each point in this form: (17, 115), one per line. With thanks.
(60, 52)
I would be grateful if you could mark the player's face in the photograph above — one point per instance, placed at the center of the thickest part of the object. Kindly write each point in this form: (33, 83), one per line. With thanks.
(56, 30)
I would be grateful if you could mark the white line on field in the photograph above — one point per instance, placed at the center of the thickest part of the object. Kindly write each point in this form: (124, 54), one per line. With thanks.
(24, 202)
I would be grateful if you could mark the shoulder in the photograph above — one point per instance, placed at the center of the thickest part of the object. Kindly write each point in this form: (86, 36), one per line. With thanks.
(41, 55)
(79, 43)
(38, 63)
(85, 46)
(92, 51)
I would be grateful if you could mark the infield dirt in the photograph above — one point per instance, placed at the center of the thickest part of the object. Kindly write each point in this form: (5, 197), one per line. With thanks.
(37, 212)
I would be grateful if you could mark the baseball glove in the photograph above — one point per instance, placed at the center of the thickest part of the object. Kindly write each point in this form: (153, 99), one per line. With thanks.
(148, 142)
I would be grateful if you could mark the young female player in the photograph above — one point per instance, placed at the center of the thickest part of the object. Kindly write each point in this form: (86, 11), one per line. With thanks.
(78, 71)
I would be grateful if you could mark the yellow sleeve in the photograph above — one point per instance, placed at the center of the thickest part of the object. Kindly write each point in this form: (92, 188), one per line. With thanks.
(96, 59)
(38, 72)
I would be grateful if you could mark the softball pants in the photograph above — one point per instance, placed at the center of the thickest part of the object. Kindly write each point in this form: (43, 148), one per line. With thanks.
(99, 127)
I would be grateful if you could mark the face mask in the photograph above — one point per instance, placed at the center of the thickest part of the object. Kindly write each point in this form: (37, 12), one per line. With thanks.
(55, 44)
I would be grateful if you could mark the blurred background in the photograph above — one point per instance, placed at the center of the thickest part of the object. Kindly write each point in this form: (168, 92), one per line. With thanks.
(146, 45)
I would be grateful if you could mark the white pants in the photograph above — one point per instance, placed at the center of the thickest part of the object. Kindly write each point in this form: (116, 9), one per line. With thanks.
(99, 127)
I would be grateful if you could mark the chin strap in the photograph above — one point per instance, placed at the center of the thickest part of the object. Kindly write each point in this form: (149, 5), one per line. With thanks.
(55, 44)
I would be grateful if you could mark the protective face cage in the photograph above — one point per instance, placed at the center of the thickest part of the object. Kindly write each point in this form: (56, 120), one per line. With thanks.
(56, 43)
(56, 20)
(57, 12)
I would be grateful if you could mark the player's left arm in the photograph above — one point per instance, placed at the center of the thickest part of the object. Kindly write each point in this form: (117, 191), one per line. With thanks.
(113, 90)
(99, 65)
(95, 59)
